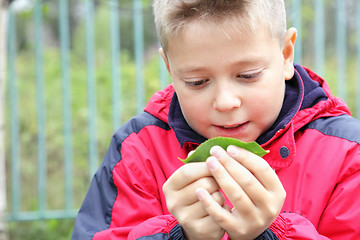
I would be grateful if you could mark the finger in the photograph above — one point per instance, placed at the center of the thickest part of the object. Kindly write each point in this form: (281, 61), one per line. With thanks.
(221, 215)
(208, 183)
(190, 153)
(196, 210)
(190, 212)
(257, 166)
(242, 176)
(219, 198)
(231, 188)
(186, 175)
(204, 227)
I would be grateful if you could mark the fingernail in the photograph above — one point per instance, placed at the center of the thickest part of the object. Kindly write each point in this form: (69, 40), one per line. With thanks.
(201, 193)
(232, 150)
(217, 152)
(212, 163)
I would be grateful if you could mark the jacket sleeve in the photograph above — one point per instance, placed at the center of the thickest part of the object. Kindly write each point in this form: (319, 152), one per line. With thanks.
(174, 231)
(118, 200)
(339, 219)
(96, 211)
(167, 228)
(296, 227)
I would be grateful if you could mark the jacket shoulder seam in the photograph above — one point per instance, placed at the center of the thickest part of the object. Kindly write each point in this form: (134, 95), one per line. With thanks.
(343, 126)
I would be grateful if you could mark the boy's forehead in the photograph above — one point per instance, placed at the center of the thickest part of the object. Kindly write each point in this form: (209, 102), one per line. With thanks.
(228, 30)
(190, 51)
(224, 27)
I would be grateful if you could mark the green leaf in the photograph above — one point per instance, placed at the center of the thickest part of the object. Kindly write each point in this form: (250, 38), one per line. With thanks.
(203, 151)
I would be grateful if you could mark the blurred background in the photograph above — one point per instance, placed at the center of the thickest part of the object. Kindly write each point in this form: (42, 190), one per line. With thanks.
(73, 71)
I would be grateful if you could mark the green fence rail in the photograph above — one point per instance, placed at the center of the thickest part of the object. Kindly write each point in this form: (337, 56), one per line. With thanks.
(78, 69)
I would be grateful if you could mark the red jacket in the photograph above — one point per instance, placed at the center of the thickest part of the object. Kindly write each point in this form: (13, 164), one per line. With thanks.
(314, 148)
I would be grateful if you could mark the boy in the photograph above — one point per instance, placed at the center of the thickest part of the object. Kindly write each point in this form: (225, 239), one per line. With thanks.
(233, 75)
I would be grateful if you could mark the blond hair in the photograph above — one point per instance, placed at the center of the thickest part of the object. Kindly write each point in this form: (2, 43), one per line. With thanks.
(172, 16)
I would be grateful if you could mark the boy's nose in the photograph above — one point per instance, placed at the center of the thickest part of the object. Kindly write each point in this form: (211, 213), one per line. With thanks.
(226, 100)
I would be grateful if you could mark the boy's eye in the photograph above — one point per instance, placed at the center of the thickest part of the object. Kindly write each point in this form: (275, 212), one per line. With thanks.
(196, 83)
(250, 76)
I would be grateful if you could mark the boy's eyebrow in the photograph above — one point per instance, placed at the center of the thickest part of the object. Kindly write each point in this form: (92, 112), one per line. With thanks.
(191, 70)
(243, 63)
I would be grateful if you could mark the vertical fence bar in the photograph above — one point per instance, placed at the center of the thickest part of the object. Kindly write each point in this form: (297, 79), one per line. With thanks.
(40, 105)
(319, 37)
(296, 11)
(3, 63)
(358, 62)
(14, 117)
(139, 54)
(90, 60)
(66, 92)
(341, 48)
(115, 62)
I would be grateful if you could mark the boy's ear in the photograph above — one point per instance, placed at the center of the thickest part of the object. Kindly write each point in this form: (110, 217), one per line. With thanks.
(163, 55)
(289, 52)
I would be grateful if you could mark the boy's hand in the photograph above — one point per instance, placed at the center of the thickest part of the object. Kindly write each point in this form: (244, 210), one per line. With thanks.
(252, 187)
(182, 202)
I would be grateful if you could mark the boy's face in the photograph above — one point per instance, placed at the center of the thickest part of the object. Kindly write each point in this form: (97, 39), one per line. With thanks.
(229, 83)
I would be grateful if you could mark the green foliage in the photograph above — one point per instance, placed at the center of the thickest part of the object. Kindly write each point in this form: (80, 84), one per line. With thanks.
(42, 230)
(203, 151)
(102, 29)
(27, 91)
(54, 115)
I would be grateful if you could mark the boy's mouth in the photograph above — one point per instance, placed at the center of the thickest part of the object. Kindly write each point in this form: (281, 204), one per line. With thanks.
(231, 126)
(231, 130)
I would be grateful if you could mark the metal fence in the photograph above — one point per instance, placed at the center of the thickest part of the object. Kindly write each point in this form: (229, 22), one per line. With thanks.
(59, 122)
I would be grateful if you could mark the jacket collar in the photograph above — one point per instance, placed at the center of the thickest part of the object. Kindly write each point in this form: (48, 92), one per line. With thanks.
(301, 92)
(317, 102)
(184, 133)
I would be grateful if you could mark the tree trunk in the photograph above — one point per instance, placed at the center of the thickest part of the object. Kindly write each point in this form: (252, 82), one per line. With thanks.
(3, 39)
